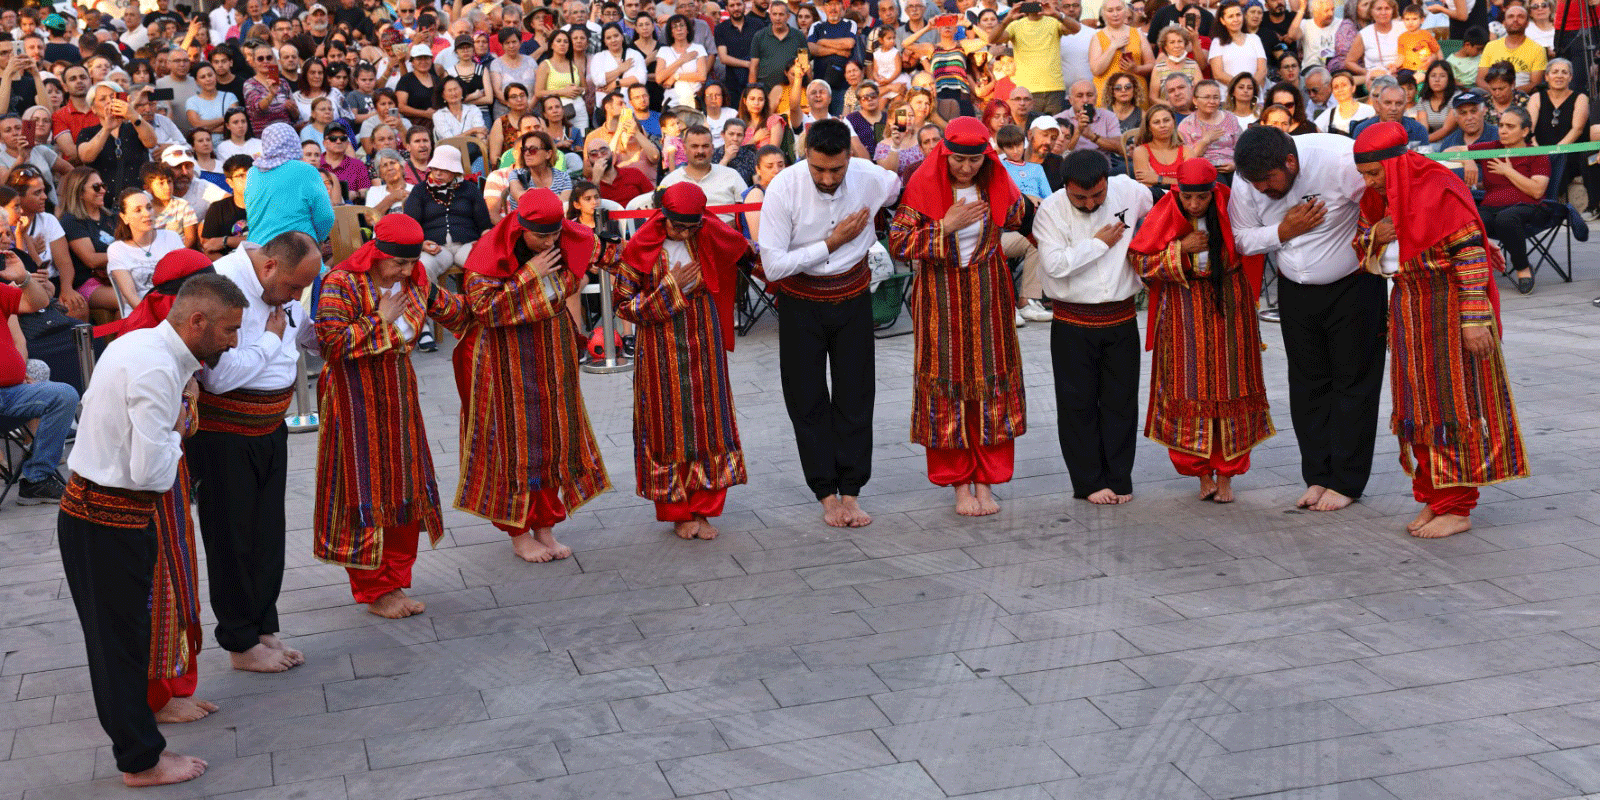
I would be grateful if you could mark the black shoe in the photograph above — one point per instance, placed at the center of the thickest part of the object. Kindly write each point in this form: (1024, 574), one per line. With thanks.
(584, 357)
(627, 346)
(425, 342)
(1525, 285)
(33, 493)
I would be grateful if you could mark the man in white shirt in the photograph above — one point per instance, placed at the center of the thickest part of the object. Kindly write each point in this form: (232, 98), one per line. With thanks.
(223, 18)
(722, 184)
(816, 228)
(198, 194)
(1299, 198)
(239, 458)
(135, 413)
(1083, 233)
(1075, 47)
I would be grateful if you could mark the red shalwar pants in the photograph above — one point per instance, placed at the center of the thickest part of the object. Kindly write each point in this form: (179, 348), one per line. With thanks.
(698, 503)
(394, 568)
(1193, 466)
(988, 464)
(547, 510)
(160, 690)
(1457, 500)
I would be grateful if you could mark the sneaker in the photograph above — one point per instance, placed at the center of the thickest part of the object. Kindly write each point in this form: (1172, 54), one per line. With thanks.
(1016, 317)
(628, 343)
(33, 493)
(1268, 314)
(1035, 311)
(425, 342)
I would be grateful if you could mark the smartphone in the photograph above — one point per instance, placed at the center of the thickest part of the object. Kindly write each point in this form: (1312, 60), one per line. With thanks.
(1031, 8)
(1191, 21)
(123, 96)
(161, 95)
(17, 49)
(27, 133)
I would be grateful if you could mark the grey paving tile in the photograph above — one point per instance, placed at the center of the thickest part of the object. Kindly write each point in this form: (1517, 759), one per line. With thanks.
(1301, 685)
(642, 782)
(890, 782)
(1579, 767)
(802, 603)
(607, 751)
(948, 700)
(526, 732)
(755, 665)
(701, 644)
(654, 711)
(1436, 600)
(699, 618)
(1351, 790)
(358, 723)
(1247, 626)
(975, 770)
(795, 558)
(323, 789)
(829, 684)
(1504, 779)
(1005, 728)
(1113, 751)
(799, 722)
(1161, 704)
(1066, 683)
(928, 613)
(439, 776)
(1136, 783)
(1481, 660)
(619, 684)
(904, 644)
(1042, 654)
(310, 764)
(1565, 726)
(1501, 694)
(916, 671)
(773, 763)
(1254, 730)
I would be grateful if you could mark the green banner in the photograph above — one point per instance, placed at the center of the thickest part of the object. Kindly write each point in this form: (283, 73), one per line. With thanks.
(1556, 149)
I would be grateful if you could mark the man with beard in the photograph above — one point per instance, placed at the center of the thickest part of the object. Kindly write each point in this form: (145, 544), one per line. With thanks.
(74, 115)
(1527, 56)
(734, 36)
(1299, 198)
(1083, 235)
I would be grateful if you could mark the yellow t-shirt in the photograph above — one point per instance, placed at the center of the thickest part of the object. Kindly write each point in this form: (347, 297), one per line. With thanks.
(1528, 58)
(1037, 47)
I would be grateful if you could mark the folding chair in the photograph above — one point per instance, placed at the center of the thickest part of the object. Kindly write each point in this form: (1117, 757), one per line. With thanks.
(17, 441)
(1558, 219)
(889, 299)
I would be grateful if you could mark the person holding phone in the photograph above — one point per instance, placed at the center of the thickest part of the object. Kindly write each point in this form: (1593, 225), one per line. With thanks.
(268, 98)
(120, 143)
(1035, 30)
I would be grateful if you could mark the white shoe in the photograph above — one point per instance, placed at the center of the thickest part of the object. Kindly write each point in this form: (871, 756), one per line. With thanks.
(1035, 311)
(1017, 318)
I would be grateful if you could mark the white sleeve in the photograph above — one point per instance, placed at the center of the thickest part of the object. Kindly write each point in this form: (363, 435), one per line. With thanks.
(238, 366)
(1252, 234)
(1058, 255)
(154, 447)
(778, 261)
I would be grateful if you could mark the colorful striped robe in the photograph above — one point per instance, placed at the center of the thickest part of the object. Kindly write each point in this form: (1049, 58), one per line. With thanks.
(374, 465)
(684, 435)
(524, 427)
(967, 360)
(1459, 406)
(175, 591)
(1206, 364)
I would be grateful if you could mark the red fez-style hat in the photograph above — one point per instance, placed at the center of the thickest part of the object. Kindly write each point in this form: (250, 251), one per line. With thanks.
(1196, 175)
(1380, 141)
(966, 136)
(683, 203)
(540, 211)
(398, 236)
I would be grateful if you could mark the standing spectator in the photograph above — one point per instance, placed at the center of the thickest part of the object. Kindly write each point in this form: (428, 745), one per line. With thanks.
(772, 51)
(1175, 43)
(1527, 57)
(734, 37)
(178, 79)
(267, 95)
(1118, 48)
(75, 114)
(120, 143)
(1036, 42)
(207, 108)
(562, 73)
(416, 88)
(1376, 50)
(615, 68)
(283, 193)
(1235, 50)
(832, 43)
(681, 65)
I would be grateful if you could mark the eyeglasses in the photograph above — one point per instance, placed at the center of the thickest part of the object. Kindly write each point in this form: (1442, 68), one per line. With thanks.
(866, 96)
(336, 138)
(266, 59)
(1123, 87)
(98, 187)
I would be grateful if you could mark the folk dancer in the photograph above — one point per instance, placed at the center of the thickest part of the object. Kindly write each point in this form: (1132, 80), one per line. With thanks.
(376, 487)
(136, 411)
(240, 456)
(1299, 200)
(1083, 238)
(528, 456)
(1453, 410)
(816, 228)
(1208, 399)
(677, 283)
(175, 632)
(967, 404)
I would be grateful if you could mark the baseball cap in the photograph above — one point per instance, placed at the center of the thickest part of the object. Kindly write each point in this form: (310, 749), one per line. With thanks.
(1044, 123)
(1467, 98)
(56, 22)
(421, 51)
(178, 156)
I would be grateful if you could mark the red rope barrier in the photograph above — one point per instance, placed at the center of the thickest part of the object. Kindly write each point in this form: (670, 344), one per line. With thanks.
(644, 213)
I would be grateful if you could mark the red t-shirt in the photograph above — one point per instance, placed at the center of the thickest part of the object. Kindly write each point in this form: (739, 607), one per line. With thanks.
(12, 369)
(1498, 190)
(630, 183)
(68, 118)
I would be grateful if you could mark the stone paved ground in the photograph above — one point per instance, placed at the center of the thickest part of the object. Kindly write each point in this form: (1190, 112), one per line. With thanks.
(1164, 650)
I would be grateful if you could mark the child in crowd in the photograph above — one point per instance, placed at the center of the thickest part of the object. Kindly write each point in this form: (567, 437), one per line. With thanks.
(1029, 177)
(1418, 48)
(1464, 62)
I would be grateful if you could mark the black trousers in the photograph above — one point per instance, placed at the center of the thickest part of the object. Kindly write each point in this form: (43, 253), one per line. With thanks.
(110, 571)
(1510, 225)
(1333, 336)
(832, 427)
(240, 491)
(1097, 403)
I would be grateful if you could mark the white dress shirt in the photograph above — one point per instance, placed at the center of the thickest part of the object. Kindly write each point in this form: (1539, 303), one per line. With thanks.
(1323, 254)
(263, 361)
(222, 20)
(723, 186)
(125, 435)
(796, 219)
(1078, 267)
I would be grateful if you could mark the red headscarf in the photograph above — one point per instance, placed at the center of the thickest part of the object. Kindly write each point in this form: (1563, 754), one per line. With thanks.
(395, 236)
(171, 271)
(718, 247)
(929, 192)
(1425, 200)
(538, 210)
(1168, 222)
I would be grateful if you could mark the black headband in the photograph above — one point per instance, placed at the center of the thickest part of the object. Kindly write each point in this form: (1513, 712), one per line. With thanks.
(398, 250)
(680, 217)
(171, 287)
(1197, 187)
(1380, 155)
(966, 149)
(543, 228)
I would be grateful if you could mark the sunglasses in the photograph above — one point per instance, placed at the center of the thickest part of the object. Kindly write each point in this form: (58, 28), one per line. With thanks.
(98, 187)
(336, 138)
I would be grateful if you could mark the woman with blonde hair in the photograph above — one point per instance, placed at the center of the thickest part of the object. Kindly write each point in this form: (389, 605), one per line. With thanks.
(1118, 47)
(1160, 150)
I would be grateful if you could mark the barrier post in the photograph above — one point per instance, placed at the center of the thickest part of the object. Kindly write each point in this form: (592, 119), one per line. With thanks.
(614, 361)
(305, 416)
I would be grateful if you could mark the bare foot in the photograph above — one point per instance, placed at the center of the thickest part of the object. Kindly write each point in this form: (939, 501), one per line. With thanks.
(1310, 498)
(1208, 486)
(1104, 497)
(834, 513)
(686, 529)
(547, 537)
(707, 530)
(184, 709)
(1444, 525)
(262, 658)
(1224, 490)
(394, 605)
(1424, 517)
(271, 640)
(967, 505)
(529, 549)
(1331, 501)
(858, 518)
(986, 501)
(172, 768)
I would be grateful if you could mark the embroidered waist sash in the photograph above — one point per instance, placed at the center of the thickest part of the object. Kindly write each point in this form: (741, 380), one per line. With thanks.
(108, 505)
(827, 288)
(1094, 315)
(243, 411)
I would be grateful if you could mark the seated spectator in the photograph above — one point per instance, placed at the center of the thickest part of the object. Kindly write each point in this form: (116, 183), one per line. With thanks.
(1512, 191)
(338, 159)
(672, 153)
(1464, 62)
(1044, 139)
(1174, 44)
(207, 167)
(15, 149)
(902, 152)
(198, 194)
(322, 121)
(1241, 99)
(40, 234)
(617, 184)
(335, 187)
(1317, 91)
(1278, 117)
(1029, 177)
(119, 143)
(722, 186)
(167, 131)
(1177, 92)
(1502, 94)
(1468, 110)
(419, 151)
(170, 212)
(1390, 100)
(90, 228)
(386, 111)
(389, 194)
(236, 136)
(53, 404)
(455, 117)
(131, 259)
(226, 224)
(1160, 149)
(1210, 129)
(1344, 111)
(734, 154)
(769, 162)
(1288, 97)
(623, 136)
(451, 211)
(536, 171)
(1525, 56)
